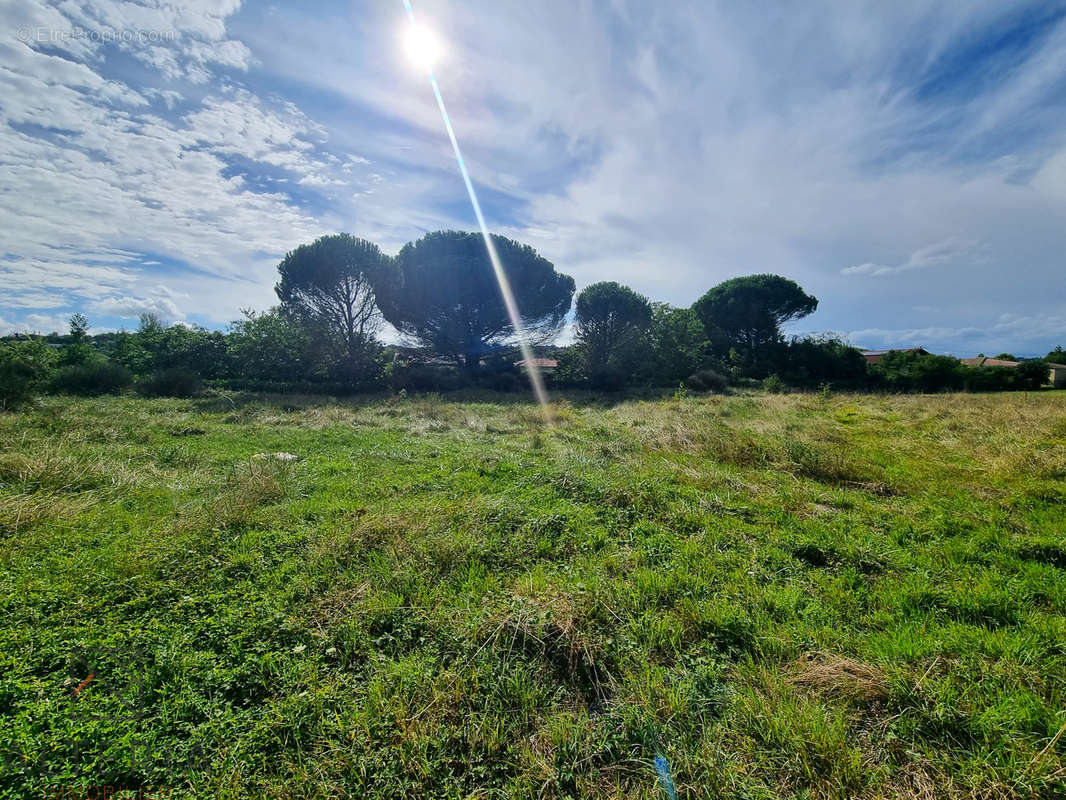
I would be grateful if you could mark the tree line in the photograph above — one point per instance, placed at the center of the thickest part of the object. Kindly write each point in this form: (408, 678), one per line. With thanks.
(440, 293)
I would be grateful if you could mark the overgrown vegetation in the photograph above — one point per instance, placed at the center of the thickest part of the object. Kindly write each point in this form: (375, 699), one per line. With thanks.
(797, 595)
(441, 293)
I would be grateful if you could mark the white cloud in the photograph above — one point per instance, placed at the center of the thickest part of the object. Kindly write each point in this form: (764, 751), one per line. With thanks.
(945, 252)
(133, 307)
(1028, 334)
(46, 323)
(668, 145)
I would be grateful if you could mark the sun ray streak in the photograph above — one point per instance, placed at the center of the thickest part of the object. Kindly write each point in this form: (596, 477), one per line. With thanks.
(535, 378)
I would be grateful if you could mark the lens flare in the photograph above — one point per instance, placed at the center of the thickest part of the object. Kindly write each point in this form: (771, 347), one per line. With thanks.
(422, 46)
(532, 369)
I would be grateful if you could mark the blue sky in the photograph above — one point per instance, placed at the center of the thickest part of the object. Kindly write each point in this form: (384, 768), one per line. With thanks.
(905, 162)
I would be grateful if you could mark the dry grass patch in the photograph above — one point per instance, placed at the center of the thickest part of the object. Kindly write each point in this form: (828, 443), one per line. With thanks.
(48, 467)
(23, 512)
(838, 677)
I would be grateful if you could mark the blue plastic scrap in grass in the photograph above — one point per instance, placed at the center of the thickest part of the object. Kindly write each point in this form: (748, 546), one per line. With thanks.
(662, 766)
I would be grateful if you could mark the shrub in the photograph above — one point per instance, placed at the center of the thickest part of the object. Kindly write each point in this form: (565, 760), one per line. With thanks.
(773, 384)
(570, 371)
(24, 367)
(608, 378)
(408, 377)
(918, 372)
(812, 361)
(707, 380)
(987, 379)
(1031, 374)
(174, 382)
(92, 378)
(504, 381)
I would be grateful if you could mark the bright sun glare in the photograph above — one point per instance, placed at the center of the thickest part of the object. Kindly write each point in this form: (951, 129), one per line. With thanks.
(422, 45)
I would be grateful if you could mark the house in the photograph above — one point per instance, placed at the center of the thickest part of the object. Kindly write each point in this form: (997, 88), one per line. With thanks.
(873, 356)
(985, 361)
(543, 364)
(1058, 375)
(1056, 372)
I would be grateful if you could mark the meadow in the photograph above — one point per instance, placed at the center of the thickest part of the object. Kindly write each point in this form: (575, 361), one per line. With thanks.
(784, 596)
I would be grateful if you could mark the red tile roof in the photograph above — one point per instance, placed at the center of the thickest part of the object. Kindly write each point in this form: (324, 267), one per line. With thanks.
(985, 361)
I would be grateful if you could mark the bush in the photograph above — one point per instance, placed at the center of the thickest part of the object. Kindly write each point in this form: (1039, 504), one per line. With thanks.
(504, 381)
(408, 377)
(812, 361)
(175, 382)
(1031, 374)
(608, 378)
(707, 380)
(92, 378)
(24, 367)
(773, 384)
(987, 379)
(918, 372)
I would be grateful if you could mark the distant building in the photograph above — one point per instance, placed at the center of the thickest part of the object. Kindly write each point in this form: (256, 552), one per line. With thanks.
(873, 356)
(1058, 375)
(985, 361)
(1056, 372)
(543, 364)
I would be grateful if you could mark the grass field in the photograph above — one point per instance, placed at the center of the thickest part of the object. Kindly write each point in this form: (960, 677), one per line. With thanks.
(785, 596)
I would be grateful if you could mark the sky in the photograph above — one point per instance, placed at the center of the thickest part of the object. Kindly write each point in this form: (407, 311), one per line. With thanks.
(904, 162)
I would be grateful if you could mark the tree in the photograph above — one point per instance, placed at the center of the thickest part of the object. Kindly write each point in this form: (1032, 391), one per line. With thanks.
(79, 327)
(79, 350)
(1057, 356)
(330, 283)
(25, 366)
(746, 314)
(272, 346)
(156, 347)
(444, 295)
(612, 323)
(679, 345)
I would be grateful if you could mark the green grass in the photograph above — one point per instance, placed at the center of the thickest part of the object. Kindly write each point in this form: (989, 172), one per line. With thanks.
(786, 596)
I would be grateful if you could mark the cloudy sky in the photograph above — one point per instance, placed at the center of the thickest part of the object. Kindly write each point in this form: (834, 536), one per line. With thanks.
(905, 162)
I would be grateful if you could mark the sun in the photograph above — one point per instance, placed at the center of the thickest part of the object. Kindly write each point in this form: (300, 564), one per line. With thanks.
(422, 46)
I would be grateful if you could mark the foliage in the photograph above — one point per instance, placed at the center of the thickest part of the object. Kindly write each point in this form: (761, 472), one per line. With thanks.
(331, 283)
(811, 361)
(773, 384)
(707, 380)
(784, 596)
(444, 295)
(1031, 374)
(746, 314)
(25, 366)
(987, 379)
(1056, 356)
(570, 368)
(92, 378)
(273, 346)
(404, 376)
(612, 325)
(918, 372)
(678, 344)
(79, 349)
(156, 347)
(170, 382)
